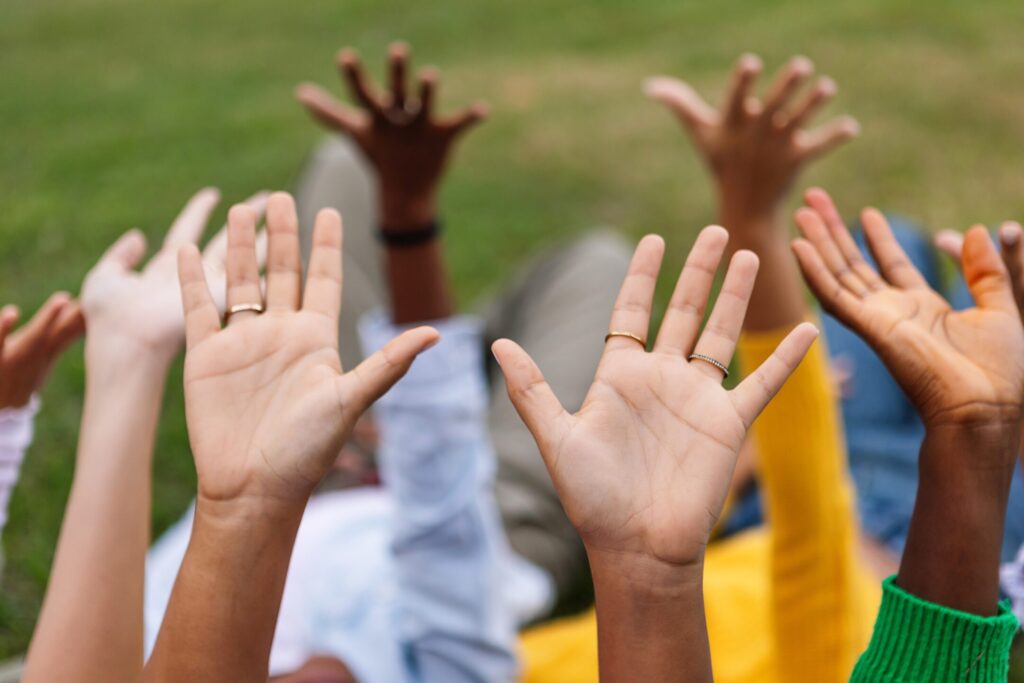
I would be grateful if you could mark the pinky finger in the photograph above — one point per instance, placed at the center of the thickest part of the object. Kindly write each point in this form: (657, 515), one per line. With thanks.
(828, 136)
(466, 119)
(201, 317)
(1011, 239)
(8, 317)
(755, 392)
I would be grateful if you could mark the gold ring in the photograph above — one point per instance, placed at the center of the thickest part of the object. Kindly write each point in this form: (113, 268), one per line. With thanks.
(627, 335)
(243, 308)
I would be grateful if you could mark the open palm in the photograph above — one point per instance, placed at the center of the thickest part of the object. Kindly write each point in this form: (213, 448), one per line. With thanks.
(267, 403)
(949, 363)
(643, 468)
(145, 305)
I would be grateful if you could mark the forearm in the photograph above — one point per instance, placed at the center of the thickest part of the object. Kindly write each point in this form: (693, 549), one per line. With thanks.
(103, 540)
(224, 605)
(953, 545)
(418, 283)
(778, 298)
(650, 621)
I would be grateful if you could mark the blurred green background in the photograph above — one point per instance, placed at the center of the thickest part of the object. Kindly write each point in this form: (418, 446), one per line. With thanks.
(112, 112)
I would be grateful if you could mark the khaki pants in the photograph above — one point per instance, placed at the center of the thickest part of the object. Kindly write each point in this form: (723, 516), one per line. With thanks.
(557, 309)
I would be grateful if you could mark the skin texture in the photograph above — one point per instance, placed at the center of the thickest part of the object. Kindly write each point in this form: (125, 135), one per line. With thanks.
(28, 354)
(755, 148)
(964, 372)
(135, 330)
(409, 146)
(643, 468)
(251, 388)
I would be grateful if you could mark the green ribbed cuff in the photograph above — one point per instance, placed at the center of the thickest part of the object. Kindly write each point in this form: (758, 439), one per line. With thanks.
(916, 641)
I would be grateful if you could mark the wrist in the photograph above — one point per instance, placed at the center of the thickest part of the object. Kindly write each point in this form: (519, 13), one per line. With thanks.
(248, 513)
(738, 211)
(403, 213)
(644, 577)
(115, 350)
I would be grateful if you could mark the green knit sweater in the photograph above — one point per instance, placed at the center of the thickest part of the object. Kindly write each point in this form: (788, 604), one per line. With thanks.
(920, 642)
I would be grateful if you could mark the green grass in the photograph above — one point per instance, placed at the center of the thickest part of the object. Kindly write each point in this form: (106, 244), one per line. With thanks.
(114, 111)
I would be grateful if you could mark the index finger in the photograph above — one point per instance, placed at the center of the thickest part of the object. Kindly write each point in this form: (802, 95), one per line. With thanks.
(632, 311)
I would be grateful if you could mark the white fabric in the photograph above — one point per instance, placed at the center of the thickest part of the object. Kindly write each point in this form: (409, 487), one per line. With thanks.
(15, 438)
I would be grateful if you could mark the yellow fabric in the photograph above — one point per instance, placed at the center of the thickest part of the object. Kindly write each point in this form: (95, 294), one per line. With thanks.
(793, 604)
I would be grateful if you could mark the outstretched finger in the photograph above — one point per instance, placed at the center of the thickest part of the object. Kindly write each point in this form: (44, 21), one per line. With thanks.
(826, 137)
(324, 279)
(747, 69)
(8, 317)
(126, 252)
(532, 397)
(896, 266)
(36, 331)
(201, 317)
(950, 243)
(243, 271)
(359, 85)
(1011, 240)
(754, 393)
(188, 227)
(398, 61)
(822, 203)
(786, 84)
(68, 327)
(823, 91)
(466, 119)
(833, 297)
(428, 93)
(322, 106)
(683, 101)
(369, 380)
(718, 339)
(986, 275)
(632, 311)
(216, 250)
(813, 228)
(284, 260)
(685, 311)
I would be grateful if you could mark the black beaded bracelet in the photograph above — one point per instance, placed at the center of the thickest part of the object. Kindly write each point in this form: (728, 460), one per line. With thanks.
(409, 237)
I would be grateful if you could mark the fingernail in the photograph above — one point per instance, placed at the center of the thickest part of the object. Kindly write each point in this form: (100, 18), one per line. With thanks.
(1010, 233)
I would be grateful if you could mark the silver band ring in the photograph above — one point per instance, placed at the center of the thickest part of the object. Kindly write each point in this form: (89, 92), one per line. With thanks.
(708, 359)
(243, 308)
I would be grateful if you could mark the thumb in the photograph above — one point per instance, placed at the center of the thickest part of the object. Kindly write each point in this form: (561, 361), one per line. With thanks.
(985, 272)
(371, 379)
(537, 405)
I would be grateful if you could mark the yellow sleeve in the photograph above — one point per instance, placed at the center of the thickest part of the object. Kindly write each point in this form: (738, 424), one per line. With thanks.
(817, 595)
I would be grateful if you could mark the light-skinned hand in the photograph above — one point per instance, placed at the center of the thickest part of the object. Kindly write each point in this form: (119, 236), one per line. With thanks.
(756, 146)
(955, 366)
(28, 354)
(644, 467)
(398, 131)
(143, 308)
(267, 403)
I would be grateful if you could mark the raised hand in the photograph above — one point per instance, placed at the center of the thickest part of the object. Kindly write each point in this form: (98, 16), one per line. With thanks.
(144, 307)
(1011, 243)
(756, 147)
(27, 355)
(955, 366)
(398, 131)
(267, 403)
(643, 468)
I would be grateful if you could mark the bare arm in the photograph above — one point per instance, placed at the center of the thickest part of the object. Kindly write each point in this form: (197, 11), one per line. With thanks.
(135, 330)
(409, 145)
(754, 149)
(268, 408)
(643, 468)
